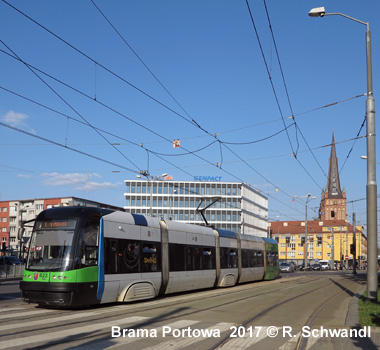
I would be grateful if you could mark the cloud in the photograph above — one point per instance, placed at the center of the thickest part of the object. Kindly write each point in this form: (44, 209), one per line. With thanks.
(81, 182)
(16, 119)
(24, 176)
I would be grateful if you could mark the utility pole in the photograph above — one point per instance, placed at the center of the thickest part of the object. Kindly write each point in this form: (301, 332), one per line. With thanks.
(354, 239)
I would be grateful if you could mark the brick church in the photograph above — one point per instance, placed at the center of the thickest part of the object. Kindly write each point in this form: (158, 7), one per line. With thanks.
(333, 199)
(328, 236)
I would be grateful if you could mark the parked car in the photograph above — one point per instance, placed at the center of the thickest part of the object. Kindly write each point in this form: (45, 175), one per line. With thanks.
(316, 267)
(325, 265)
(302, 267)
(10, 260)
(286, 267)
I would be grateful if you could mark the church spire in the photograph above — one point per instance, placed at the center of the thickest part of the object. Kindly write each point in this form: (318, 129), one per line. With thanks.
(333, 181)
(333, 200)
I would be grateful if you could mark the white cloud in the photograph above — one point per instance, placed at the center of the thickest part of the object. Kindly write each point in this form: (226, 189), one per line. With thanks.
(81, 182)
(16, 119)
(93, 186)
(24, 176)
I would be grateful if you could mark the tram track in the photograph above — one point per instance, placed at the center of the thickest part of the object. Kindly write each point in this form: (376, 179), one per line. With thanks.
(301, 342)
(190, 298)
(149, 322)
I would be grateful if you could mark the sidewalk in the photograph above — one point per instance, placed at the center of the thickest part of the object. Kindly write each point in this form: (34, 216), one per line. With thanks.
(366, 342)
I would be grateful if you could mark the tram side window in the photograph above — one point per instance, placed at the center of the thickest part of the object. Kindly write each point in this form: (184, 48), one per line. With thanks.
(259, 259)
(208, 258)
(193, 258)
(110, 256)
(228, 258)
(233, 258)
(177, 255)
(121, 256)
(129, 256)
(275, 259)
(249, 258)
(224, 258)
(272, 259)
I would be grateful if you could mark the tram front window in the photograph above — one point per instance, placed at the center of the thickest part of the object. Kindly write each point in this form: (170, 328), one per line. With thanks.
(50, 247)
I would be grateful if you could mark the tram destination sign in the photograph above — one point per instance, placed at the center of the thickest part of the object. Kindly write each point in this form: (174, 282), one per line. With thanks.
(56, 224)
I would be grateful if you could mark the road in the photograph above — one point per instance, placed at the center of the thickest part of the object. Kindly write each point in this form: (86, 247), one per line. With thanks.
(291, 312)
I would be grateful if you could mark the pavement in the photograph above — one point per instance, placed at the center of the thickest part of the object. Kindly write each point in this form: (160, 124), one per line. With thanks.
(359, 339)
(367, 339)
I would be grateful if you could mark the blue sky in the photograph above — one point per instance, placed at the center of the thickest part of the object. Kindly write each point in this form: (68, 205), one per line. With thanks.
(185, 70)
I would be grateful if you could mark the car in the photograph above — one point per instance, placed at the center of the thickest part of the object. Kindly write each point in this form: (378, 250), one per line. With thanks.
(294, 265)
(316, 267)
(286, 267)
(10, 260)
(325, 265)
(302, 267)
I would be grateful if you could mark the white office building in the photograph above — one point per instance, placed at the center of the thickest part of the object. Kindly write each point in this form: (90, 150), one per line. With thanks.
(238, 207)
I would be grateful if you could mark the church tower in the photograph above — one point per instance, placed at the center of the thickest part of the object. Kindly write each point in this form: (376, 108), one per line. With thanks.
(333, 199)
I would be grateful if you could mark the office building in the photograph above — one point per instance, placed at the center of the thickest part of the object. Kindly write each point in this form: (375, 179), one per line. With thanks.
(238, 207)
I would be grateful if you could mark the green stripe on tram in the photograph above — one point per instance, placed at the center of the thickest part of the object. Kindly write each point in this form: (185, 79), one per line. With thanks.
(88, 274)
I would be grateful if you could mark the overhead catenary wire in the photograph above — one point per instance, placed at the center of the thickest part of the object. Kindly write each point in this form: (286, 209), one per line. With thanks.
(182, 138)
(65, 147)
(111, 72)
(69, 105)
(140, 59)
(108, 70)
(221, 142)
(288, 97)
(251, 168)
(353, 145)
(117, 112)
(97, 63)
(270, 77)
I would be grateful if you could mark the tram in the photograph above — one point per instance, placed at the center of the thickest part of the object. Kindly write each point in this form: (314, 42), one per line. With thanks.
(81, 256)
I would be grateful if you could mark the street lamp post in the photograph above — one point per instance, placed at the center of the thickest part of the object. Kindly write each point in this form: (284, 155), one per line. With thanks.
(170, 204)
(151, 179)
(371, 163)
(308, 199)
(331, 229)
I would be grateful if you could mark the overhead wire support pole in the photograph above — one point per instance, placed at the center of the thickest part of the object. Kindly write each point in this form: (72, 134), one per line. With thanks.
(371, 188)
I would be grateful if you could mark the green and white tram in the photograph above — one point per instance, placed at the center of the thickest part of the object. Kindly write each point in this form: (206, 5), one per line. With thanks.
(81, 256)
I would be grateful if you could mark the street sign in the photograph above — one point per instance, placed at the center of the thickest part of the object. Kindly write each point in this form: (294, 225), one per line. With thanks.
(346, 257)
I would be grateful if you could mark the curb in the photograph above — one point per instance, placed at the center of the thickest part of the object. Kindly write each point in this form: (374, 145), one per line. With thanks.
(352, 318)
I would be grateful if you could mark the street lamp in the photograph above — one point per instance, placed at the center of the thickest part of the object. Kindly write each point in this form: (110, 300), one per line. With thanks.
(365, 157)
(371, 163)
(308, 199)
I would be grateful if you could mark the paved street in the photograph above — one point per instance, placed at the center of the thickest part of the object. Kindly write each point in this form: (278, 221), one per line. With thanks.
(296, 311)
